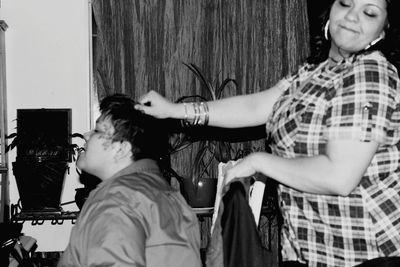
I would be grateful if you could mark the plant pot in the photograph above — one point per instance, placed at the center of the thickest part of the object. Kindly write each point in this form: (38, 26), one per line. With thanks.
(40, 184)
(201, 197)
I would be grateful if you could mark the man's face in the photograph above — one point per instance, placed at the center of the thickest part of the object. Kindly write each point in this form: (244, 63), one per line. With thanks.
(98, 154)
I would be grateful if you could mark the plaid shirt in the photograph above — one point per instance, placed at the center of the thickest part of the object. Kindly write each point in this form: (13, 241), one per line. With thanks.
(356, 99)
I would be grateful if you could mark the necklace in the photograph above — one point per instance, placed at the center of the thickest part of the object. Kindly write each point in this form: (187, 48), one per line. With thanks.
(333, 60)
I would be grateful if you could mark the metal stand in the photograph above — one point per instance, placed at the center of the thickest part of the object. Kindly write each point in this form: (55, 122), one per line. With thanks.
(38, 217)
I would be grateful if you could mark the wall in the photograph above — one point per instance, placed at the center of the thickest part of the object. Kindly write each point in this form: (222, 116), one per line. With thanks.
(47, 54)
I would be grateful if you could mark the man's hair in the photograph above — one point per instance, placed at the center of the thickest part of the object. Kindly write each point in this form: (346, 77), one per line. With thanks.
(146, 134)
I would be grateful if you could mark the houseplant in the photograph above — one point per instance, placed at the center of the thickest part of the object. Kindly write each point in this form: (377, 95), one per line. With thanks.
(199, 190)
(40, 167)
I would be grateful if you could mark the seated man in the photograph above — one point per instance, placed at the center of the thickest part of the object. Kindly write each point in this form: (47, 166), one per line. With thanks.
(133, 217)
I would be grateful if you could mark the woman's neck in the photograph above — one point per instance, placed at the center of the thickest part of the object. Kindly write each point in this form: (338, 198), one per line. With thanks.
(337, 55)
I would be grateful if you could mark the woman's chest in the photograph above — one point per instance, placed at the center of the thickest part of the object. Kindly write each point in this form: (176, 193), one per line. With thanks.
(297, 124)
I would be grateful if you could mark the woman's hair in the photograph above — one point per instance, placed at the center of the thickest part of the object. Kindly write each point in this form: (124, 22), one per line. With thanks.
(389, 46)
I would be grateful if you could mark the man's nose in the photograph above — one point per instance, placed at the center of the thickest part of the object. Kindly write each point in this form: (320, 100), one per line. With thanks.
(87, 135)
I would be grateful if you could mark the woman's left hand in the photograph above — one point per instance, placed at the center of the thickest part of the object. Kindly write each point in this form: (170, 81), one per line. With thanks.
(243, 168)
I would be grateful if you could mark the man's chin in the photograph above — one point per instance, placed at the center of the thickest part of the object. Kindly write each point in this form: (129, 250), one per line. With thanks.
(80, 165)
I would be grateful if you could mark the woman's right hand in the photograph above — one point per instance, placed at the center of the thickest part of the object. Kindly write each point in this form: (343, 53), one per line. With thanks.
(154, 104)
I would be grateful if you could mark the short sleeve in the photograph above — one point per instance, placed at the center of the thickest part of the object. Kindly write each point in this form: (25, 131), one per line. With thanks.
(365, 99)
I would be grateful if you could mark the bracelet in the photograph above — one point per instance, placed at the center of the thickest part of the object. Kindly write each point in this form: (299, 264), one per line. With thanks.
(196, 113)
(185, 121)
(206, 113)
(200, 114)
(186, 112)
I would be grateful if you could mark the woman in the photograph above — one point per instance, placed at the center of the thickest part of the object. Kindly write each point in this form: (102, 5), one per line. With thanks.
(335, 131)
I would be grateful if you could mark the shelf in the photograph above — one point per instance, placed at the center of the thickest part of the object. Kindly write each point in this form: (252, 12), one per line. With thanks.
(203, 211)
(58, 217)
(38, 217)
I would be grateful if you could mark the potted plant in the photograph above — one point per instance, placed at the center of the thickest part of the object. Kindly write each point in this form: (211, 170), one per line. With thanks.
(40, 167)
(200, 189)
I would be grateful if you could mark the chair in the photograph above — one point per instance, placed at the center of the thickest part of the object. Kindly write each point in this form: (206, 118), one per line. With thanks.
(15, 248)
(234, 234)
(255, 194)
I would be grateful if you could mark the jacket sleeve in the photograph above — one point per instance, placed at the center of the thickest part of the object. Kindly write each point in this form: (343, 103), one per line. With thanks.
(116, 237)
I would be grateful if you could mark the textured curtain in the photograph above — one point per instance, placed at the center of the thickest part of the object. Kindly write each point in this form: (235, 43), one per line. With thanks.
(140, 45)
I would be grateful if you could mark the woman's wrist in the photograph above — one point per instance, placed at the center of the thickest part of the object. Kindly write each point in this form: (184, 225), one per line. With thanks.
(257, 160)
(178, 111)
(194, 113)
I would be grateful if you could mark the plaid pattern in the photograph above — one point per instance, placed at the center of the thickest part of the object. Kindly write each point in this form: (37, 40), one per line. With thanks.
(356, 99)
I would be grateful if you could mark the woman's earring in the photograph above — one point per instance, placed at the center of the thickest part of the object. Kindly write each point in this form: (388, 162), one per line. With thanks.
(326, 30)
(380, 37)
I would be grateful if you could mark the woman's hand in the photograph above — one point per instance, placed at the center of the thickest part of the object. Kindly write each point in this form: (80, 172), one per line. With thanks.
(243, 168)
(156, 105)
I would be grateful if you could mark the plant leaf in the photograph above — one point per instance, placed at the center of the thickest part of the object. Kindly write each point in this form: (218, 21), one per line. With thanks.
(179, 142)
(223, 151)
(223, 86)
(11, 136)
(198, 73)
(190, 98)
(77, 135)
(196, 171)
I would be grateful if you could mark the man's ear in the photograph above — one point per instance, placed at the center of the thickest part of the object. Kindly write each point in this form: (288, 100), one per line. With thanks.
(124, 150)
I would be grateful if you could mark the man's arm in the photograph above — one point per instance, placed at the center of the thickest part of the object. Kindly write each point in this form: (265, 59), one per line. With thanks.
(117, 238)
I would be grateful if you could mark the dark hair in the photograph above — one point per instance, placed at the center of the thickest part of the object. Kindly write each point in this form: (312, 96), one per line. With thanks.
(145, 133)
(389, 46)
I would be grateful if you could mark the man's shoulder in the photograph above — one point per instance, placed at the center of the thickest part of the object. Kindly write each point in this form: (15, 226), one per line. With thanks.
(139, 180)
(138, 184)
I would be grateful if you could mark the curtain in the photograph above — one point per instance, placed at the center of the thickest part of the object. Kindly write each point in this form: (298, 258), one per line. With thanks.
(140, 45)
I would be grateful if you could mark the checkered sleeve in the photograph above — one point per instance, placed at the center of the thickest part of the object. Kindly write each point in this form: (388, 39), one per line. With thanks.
(364, 101)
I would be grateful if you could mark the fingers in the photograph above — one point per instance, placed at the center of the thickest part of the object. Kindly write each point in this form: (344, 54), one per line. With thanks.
(145, 101)
(154, 104)
(241, 169)
(146, 98)
(140, 108)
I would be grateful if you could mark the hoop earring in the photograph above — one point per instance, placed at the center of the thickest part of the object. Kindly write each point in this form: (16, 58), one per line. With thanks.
(326, 30)
(380, 37)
